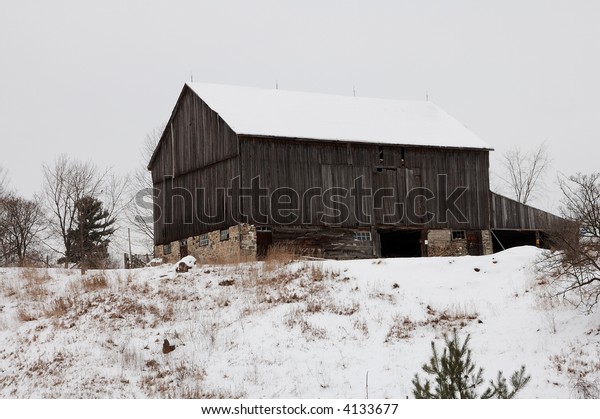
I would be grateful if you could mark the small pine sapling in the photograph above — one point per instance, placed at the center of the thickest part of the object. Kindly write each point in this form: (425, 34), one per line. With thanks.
(455, 376)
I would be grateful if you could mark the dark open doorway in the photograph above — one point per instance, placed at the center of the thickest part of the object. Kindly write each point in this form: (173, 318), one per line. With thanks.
(474, 245)
(264, 238)
(505, 239)
(400, 243)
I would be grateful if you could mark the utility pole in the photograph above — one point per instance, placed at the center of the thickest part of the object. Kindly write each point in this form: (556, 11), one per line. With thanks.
(130, 255)
(81, 253)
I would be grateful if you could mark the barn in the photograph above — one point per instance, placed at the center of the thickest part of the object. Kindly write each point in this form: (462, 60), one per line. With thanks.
(240, 171)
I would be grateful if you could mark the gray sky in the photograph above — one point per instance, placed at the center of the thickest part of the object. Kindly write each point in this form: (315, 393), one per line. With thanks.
(92, 78)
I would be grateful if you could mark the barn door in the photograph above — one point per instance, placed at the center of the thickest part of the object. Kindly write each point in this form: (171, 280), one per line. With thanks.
(474, 247)
(264, 238)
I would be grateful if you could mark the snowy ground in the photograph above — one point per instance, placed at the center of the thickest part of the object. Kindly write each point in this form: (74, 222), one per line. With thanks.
(274, 330)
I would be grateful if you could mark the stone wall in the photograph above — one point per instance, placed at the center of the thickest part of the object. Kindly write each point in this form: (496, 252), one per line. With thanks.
(486, 241)
(440, 243)
(171, 257)
(239, 247)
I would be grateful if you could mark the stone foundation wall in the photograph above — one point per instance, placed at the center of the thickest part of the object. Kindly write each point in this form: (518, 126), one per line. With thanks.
(239, 247)
(171, 257)
(486, 241)
(440, 243)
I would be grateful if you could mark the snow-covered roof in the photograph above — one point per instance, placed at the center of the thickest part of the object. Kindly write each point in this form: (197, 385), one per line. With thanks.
(281, 113)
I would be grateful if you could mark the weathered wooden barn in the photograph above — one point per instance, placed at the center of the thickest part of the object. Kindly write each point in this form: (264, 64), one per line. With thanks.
(239, 170)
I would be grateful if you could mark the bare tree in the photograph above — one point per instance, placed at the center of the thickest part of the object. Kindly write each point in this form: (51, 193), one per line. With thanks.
(523, 171)
(140, 192)
(68, 182)
(21, 224)
(4, 241)
(3, 182)
(574, 269)
(581, 201)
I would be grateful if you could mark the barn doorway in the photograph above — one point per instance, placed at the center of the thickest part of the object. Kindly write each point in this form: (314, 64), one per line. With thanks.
(505, 239)
(264, 239)
(401, 243)
(474, 245)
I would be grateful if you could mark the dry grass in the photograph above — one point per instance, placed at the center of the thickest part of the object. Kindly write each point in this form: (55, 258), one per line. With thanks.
(35, 275)
(95, 282)
(585, 388)
(130, 358)
(280, 254)
(35, 292)
(161, 316)
(324, 304)
(362, 326)
(35, 281)
(143, 289)
(27, 315)
(402, 328)
(164, 380)
(9, 290)
(546, 301)
(297, 316)
(59, 307)
(378, 292)
(209, 328)
(582, 368)
(452, 317)
(126, 306)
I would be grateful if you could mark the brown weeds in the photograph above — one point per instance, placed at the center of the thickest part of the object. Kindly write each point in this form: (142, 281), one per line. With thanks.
(402, 328)
(59, 307)
(94, 282)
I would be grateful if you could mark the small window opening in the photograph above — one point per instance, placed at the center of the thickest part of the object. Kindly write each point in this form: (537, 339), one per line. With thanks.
(224, 235)
(203, 241)
(362, 235)
(458, 235)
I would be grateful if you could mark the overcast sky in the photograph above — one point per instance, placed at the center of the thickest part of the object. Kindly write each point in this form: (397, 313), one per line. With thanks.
(92, 78)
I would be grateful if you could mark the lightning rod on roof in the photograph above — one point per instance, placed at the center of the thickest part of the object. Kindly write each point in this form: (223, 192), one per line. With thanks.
(354, 91)
(191, 77)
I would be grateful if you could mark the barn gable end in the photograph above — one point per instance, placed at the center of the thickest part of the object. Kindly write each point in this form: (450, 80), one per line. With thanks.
(197, 151)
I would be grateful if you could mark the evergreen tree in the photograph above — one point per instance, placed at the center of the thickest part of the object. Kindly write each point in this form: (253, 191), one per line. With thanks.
(90, 238)
(455, 376)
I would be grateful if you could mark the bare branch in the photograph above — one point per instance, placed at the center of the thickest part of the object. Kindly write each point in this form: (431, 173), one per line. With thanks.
(523, 171)
(139, 205)
(574, 268)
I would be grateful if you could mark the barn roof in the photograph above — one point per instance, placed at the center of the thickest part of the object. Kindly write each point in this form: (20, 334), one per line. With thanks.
(281, 113)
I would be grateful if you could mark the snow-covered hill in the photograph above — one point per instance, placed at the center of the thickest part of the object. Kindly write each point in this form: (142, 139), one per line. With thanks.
(296, 330)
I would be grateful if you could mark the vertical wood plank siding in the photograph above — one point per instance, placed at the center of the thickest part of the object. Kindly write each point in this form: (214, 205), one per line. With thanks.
(302, 165)
(508, 214)
(201, 151)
